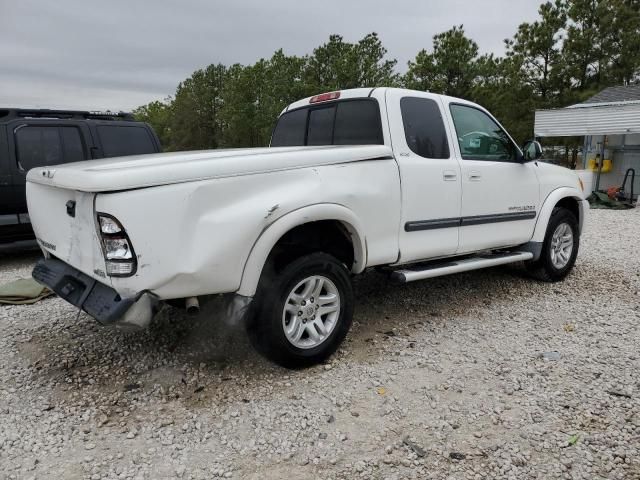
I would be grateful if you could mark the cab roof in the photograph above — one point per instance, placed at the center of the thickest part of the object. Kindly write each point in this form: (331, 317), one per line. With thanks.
(363, 93)
(344, 94)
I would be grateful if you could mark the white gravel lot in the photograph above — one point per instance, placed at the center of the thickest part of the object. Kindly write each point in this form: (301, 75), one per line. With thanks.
(480, 375)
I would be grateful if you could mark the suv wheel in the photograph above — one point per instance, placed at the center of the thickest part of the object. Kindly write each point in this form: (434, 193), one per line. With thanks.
(560, 247)
(304, 312)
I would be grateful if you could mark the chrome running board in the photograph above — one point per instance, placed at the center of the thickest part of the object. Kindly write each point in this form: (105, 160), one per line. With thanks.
(411, 273)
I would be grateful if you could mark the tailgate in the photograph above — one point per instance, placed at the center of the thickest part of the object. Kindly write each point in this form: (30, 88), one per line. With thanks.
(64, 224)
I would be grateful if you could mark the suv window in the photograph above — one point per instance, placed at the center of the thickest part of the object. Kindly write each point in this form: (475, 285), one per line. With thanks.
(119, 140)
(480, 137)
(72, 144)
(347, 122)
(424, 128)
(37, 146)
(41, 145)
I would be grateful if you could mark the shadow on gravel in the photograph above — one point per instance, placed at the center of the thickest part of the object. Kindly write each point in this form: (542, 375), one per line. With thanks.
(12, 256)
(186, 353)
(206, 337)
(379, 301)
(380, 306)
(178, 354)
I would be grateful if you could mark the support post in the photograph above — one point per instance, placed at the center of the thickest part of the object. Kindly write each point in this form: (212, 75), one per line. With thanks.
(604, 142)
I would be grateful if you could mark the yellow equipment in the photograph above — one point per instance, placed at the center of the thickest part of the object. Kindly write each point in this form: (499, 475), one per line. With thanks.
(593, 164)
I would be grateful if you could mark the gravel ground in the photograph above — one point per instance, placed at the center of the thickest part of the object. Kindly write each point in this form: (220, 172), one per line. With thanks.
(479, 375)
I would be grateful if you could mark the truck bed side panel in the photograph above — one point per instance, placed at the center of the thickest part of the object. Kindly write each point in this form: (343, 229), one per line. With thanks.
(194, 238)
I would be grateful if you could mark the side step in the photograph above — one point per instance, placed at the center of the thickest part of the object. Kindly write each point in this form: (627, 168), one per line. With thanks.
(422, 271)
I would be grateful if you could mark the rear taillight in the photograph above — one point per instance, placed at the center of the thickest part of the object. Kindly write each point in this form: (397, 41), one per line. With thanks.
(325, 97)
(119, 257)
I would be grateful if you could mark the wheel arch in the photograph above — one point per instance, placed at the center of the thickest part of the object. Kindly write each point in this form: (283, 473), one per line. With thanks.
(277, 230)
(567, 197)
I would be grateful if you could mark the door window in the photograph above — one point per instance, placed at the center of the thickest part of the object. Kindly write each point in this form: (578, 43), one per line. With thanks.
(480, 137)
(424, 128)
(38, 146)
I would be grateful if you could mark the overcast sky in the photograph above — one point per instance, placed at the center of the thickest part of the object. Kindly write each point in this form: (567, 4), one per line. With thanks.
(118, 54)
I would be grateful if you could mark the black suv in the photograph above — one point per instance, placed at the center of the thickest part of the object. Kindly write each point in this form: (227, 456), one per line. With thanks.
(34, 138)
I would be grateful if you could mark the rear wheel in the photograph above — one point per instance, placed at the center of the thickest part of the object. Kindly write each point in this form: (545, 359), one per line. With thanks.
(304, 312)
(559, 249)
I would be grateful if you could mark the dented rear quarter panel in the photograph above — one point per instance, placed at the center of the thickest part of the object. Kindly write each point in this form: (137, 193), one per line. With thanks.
(194, 238)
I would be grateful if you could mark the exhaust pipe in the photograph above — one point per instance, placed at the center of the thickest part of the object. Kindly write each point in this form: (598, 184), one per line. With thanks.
(192, 305)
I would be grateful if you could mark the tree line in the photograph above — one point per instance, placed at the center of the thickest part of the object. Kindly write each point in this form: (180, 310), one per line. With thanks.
(571, 51)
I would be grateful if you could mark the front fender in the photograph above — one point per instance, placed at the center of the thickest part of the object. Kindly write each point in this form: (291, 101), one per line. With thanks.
(273, 232)
(550, 202)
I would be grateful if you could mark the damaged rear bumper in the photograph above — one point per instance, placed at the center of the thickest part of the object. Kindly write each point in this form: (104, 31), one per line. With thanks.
(97, 299)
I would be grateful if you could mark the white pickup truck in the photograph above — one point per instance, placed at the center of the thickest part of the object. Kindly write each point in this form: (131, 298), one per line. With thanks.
(417, 184)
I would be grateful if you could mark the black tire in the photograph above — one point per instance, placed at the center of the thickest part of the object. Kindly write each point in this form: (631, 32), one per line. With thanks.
(543, 269)
(266, 325)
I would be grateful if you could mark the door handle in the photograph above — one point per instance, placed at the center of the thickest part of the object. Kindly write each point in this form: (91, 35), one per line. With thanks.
(475, 176)
(449, 176)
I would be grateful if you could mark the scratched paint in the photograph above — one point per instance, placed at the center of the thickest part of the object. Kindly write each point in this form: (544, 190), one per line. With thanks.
(272, 210)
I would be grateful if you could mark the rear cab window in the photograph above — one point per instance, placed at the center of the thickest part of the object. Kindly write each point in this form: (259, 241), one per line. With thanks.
(320, 129)
(345, 122)
(120, 140)
(291, 129)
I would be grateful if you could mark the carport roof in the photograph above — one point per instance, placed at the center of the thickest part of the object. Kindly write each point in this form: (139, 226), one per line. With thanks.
(614, 111)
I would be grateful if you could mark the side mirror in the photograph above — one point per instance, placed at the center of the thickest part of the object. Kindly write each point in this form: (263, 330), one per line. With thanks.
(532, 150)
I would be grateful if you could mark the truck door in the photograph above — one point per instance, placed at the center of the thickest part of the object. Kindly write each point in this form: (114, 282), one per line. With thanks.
(38, 143)
(500, 194)
(429, 173)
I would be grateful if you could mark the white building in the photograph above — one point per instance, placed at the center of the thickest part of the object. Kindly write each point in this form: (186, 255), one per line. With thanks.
(612, 117)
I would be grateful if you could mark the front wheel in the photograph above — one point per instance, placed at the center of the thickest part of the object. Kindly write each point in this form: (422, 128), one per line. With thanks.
(559, 249)
(304, 312)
